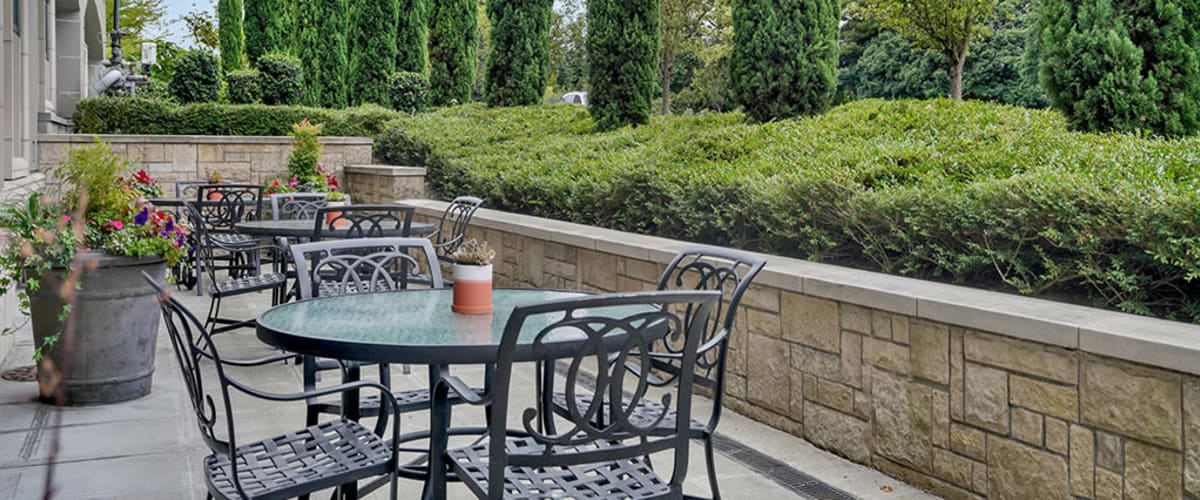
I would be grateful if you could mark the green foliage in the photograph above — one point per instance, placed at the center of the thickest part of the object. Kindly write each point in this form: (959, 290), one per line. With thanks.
(412, 36)
(784, 60)
(242, 86)
(233, 48)
(203, 29)
(408, 91)
(1123, 66)
(568, 46)
(109, 115)
(976, 193)
(197, 77)
(322, 47)
(373, 59)
(890, 66)
(280, 79)
(622, 45)
(266, 27)
(141, 21)
(518, 63)
(306, 150)
(453, 35)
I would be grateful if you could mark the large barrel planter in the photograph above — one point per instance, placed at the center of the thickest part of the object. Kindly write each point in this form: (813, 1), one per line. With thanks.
(115, 320)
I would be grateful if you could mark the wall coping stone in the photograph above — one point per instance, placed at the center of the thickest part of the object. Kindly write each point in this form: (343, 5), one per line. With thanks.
(1151, 341)
(194, 139)
(385, 170)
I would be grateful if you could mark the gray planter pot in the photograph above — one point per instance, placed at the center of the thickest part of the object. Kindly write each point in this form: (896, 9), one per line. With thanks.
(116, 319)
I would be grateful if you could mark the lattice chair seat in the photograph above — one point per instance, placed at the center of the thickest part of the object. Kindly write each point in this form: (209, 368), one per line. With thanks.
(626, 478)
(368, 406)
(247, 284)
(330, 453)
(233, 239)
(644, 414)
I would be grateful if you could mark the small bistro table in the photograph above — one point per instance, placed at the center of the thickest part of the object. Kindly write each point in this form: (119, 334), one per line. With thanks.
(304, 228)
(413, 327)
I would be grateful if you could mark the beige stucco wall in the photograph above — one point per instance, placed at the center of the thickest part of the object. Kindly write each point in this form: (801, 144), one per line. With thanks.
(967, 393)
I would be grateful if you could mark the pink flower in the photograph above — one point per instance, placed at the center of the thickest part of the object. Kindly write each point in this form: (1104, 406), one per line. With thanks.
(115, 224)
(66, 218)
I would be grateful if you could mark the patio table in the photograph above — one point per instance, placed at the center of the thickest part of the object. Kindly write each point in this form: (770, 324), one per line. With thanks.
(302, 228)
(413, 327)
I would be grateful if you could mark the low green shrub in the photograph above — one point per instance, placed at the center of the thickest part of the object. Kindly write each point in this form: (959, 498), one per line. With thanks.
(112, 115)
(197, 77)
(986, 195)
(242, 86)
(408, 91)
(280, 79)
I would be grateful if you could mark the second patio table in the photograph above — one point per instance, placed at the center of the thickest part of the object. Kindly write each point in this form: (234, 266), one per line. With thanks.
(305, 228)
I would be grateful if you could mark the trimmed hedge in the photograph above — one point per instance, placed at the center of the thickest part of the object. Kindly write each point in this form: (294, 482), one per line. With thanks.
(123, 115)
(992, 196)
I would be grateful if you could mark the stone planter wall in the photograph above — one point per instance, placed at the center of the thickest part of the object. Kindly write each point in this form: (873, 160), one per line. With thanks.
(967, 393)
(376, 184)
(187, 157)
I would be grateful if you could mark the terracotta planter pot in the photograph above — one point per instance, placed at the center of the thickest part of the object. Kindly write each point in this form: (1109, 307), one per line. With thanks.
(330, 216)
(215, 195)
(472, 289)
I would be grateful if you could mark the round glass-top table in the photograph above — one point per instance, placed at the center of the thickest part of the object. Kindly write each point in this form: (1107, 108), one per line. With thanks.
(300, 228)
(411, 326)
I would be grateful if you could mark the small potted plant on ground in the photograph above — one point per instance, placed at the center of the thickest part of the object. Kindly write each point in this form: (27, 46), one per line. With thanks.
(473, 278)
(75, 258)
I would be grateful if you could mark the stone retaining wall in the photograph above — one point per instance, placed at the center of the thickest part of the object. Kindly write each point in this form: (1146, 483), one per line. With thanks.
(376, 184)
(966, 393)
(185, 157)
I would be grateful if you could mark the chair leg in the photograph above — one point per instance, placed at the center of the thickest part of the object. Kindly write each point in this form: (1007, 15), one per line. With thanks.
(712, 467)
(214, 311)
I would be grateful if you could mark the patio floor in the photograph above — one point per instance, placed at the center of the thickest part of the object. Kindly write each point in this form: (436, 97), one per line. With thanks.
(150, 448)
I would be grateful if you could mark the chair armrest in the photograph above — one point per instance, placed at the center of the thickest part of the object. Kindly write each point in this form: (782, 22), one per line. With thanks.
(463, 390)
(275, 358)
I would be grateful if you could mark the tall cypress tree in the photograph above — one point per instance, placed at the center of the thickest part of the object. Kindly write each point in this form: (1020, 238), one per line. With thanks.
(453, 35)
(321, 46)
(373, 59)
(785, 55)
(412, 36)
(1123, 66)
(266, 28)
(229, 19)
(622, 45)
(520, 54)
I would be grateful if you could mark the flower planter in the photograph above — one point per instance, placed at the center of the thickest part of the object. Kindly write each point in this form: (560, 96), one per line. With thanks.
(215, 196)
(330, 216)
(472, 289)
(116, 318)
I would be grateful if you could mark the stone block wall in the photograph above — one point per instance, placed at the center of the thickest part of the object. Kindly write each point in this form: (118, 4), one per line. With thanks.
(241, 159)
(966, 393)
(381, 184)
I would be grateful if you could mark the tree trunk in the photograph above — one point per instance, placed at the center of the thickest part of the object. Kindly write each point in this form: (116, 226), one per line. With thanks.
(665, 73)
(956, 73)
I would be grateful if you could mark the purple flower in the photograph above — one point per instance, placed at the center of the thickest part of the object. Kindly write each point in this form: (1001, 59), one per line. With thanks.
(169, 227)
(141, 218)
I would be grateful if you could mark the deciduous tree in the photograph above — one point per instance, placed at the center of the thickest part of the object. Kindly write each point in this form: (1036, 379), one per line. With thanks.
(681, 22)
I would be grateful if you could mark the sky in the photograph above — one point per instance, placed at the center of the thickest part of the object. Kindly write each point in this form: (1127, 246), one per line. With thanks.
(176, 8)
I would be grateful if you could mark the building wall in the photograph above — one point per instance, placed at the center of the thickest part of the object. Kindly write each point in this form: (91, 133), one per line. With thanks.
(964, 392)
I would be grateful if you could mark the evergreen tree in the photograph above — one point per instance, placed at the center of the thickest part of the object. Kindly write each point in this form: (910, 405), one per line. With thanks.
(622, 45)
(453, 35)
(373, 59)
(321, 47)
(520, 53)
(1123, 66)
(412, 36)
(266, 28)
(229, 20)
(784, 60)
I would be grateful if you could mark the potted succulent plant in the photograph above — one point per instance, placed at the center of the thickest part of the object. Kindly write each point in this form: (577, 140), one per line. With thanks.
(74, 258)
(473, 278)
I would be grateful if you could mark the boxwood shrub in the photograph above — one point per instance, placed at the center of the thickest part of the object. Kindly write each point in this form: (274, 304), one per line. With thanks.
(242, 86)
(992, 196)
(115, 115)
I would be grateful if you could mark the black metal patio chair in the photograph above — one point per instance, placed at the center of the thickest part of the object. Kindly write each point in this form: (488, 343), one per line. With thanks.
(296, 206)
(584, 460)
(207, 247)
(452, 227)
(218, 208)
(341, 267)
(363, 221)
(699, 268)
(334, 453)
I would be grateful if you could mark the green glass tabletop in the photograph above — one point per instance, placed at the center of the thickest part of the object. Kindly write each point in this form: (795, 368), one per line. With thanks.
(413, 326)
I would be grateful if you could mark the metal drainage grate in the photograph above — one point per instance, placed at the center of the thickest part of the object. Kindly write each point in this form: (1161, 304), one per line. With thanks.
(764, 465)
(20, 374)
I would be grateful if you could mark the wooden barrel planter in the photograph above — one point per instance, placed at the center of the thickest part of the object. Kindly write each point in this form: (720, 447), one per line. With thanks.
(116, 318)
